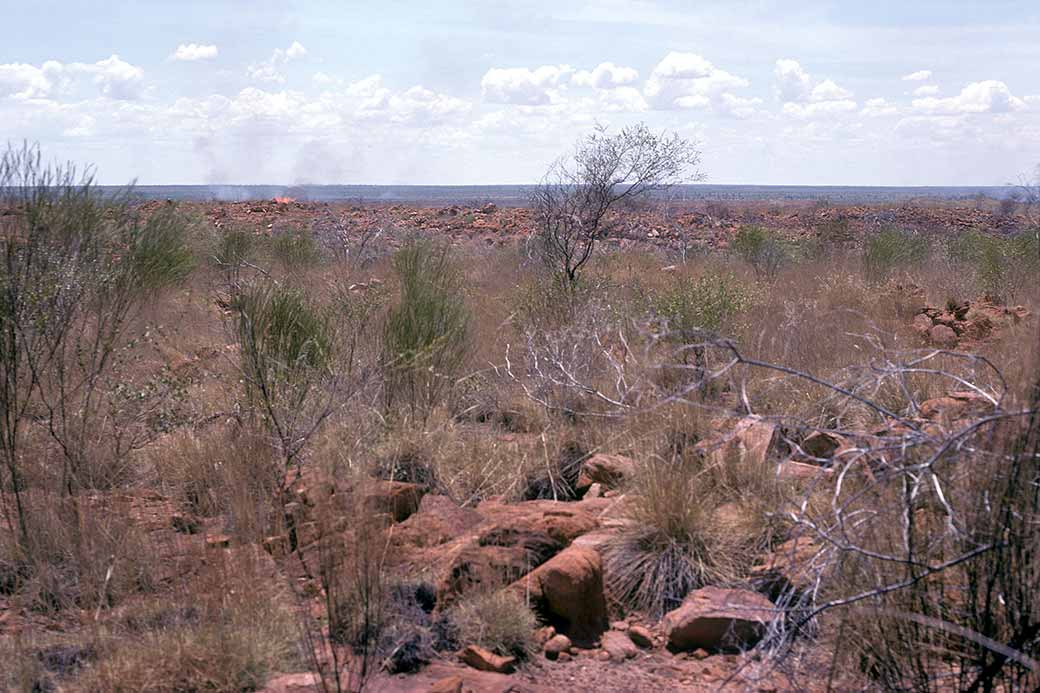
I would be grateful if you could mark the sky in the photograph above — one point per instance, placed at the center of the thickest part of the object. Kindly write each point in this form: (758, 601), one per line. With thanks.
(491, 92)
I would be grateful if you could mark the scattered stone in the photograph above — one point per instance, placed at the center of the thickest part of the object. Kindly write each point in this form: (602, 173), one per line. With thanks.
(449, 684)
(277, 546)
(218, 541)
(922, 324)
(718, 619)
(641, 636)
(618, 646)
(606, 470)
(619, 625)
(485, 660)
(700, 654)
(595, 491)
(565, 657)
(942, 335)
(556, 646)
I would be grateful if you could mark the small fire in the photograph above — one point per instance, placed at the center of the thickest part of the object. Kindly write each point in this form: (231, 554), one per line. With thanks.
(284, 200)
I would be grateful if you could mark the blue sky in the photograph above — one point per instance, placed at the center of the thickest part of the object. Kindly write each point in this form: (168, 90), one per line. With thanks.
(457, 92)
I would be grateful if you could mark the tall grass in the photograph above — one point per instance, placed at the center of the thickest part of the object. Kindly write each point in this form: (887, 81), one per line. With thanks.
(426, 335)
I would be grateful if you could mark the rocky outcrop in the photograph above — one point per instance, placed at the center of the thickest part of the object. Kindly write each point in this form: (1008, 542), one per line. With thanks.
(606, 470)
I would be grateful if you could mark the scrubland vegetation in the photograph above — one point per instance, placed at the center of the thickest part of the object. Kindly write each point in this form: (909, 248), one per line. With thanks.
(213, 441)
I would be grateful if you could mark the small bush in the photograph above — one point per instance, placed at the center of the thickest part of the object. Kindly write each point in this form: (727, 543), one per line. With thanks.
(706, 304)
(295, 249)
(498, 621)
(426, 335)
(892, 249)
(1003, 266)
(761, 249)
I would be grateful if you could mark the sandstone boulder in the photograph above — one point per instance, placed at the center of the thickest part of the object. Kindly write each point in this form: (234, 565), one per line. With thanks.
(568, 591)
(606, 470)
(942, 336)
(718, 619)
(618, 646)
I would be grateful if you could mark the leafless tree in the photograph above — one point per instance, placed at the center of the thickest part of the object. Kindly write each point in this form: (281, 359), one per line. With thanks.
(573, 202)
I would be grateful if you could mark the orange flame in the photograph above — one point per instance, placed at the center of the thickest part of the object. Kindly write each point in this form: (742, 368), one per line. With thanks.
(284, 200)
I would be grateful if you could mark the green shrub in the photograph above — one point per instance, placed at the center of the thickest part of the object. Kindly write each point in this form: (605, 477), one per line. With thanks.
(891, 249)
(426, 335)
(159, 252)
(1003, 266)
(295, 249)
(708, 303)
(762, 249)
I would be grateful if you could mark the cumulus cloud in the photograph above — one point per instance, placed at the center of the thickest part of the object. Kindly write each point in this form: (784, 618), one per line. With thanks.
(525, 87)
(805, 97)
(605, 76)
(24, 81)
(990, 96)
(191, 52)
(926, 90)
(827, 90)
(793, 83)
(819, 108)
(687, 80)
(919, 76)
(113, 77)
(367, 87)
(270, 70)
(879, 107)
(415, 106)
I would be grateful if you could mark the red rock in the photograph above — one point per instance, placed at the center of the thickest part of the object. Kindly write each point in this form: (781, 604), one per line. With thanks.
(943, 336)
(449, 684)
(398, 499)
(606, 470)
(486, 660)
(568, 590)
(922, 324)
(618, 645)
(641, 637)
(218, 541)
(556, 645)
(718, 619)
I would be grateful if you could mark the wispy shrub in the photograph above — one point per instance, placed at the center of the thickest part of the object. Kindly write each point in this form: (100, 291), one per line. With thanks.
(891, 249)
(760, 248)
(294, 249)
(1004, 266)
(498, 621)
(286, 351)
(426, 335)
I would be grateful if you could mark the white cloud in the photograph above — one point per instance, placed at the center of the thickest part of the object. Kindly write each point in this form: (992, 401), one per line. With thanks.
(270, 70)
(522, 86)
(114, 78)
(879, 107)
(818, 108)
(827, 90)
(367, 87)
(926, 90)
(415, 106)
(738, 106)
(990, 96)
(190, 52)
(687, 80)
(323, 79)
(605, 76)
(24, 81)
(919, 76)
(793, 83)
(806, 97)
